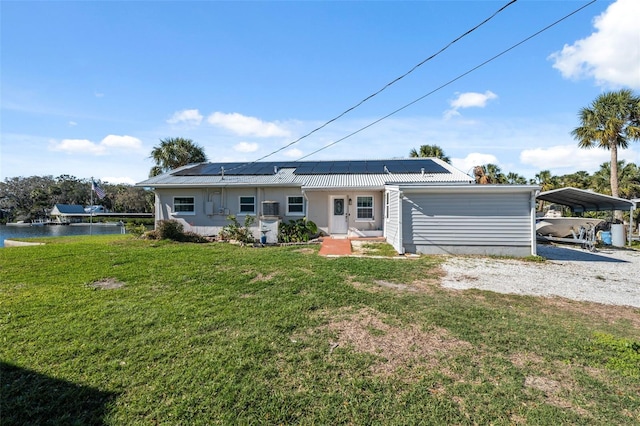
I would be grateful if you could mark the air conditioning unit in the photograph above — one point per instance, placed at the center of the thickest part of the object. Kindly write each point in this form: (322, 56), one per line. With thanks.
(270, 208)
(269, 230)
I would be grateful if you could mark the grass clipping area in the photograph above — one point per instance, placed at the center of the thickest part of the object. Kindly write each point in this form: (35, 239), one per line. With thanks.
(113, 330)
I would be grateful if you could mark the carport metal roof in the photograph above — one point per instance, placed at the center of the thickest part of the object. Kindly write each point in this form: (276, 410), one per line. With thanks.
(580, 200)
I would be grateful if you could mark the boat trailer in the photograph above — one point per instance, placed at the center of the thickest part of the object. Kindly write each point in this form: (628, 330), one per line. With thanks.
(586, 237)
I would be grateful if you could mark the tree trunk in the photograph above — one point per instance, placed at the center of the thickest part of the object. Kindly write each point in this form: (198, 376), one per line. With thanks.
(614, 170)
(614, 176)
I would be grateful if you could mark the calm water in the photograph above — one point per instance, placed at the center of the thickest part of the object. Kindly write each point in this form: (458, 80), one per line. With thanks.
(9, 232)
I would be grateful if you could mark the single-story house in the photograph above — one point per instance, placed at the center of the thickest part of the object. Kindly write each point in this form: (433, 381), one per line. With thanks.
(420, 205)
(67, 213)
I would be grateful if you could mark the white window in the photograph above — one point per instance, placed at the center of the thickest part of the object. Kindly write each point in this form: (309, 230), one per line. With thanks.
(247, 205)
(295, 205)
(364, 208)
(184, 205)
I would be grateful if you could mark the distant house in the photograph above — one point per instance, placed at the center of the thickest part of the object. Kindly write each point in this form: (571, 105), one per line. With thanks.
(67, 213)
(420, 205)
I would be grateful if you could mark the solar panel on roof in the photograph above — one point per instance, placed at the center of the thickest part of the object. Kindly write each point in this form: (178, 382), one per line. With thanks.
(417, 166)
(341, 167)
(305, 168)
(403, 167)
(192, 171)
(375, 166)
(322, 168)
(399, 166)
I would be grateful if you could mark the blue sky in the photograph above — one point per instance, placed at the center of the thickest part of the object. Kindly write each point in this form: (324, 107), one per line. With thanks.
(88, 88)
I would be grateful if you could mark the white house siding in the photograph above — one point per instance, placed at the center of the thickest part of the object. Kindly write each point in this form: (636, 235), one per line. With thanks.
(393, 224)
(481, 222)
(319, 205)
(226, 201)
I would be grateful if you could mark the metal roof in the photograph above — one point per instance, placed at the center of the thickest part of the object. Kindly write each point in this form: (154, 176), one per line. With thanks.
(68, 209)
(580, 200)
(307, 175)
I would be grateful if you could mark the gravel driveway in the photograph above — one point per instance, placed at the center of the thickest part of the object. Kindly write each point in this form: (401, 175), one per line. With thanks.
(610, 276)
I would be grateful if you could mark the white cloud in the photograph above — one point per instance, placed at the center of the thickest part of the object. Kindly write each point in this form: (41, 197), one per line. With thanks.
(469, 100)
(572, 158)
(610, 55)
(247, 126)
(467, 163)
(473, 99)
(114, 180)
(124, 142)
(188, 116)
(246, 147)
(99, 95)
(293, 153)
(72, 124)
(85, 146)
(78, 146)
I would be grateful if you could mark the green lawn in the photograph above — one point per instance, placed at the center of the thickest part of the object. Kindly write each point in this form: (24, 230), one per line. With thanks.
(112, 330)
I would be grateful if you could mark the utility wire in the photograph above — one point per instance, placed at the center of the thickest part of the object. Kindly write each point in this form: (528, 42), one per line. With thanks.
(384, 87)
(450, 81)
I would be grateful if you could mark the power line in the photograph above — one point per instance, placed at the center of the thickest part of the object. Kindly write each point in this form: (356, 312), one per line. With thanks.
(450, 81)
(386, 86)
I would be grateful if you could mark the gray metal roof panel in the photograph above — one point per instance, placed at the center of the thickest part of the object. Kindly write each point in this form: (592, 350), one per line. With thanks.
(70, 208)
(580, 200)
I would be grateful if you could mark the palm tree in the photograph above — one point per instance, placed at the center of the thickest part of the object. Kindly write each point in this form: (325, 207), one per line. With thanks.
(489, 173)
(429, 151)
(601, 179)
(481, 176)
(610, 122)
(580, 180)
(173, 153)
(515, 179)
(546, 180)
(629, 179)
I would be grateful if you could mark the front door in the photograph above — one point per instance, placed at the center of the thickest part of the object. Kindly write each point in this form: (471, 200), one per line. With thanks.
(338, 215)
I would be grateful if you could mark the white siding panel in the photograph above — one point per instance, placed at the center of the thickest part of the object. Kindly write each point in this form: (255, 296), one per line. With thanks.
(392, 229)
(455, 223)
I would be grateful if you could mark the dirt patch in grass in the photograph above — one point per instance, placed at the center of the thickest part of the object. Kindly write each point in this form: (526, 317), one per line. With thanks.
(426, 285)
(372, 248)
(554, 390)
(395, 286)
(555, 380)
(367, 331)
(107, 284)
(261, 277)
(305, 250)
(609, 313)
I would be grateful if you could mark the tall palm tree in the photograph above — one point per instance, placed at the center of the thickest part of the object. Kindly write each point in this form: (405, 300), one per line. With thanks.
(175, 152)
(429, 151)
(610, 122)
(601, 179)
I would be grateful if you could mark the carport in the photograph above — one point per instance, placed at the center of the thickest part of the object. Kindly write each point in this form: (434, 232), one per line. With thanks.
(580, 201)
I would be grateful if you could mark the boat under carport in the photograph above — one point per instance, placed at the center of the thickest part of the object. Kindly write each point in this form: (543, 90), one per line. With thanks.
(581, 200)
